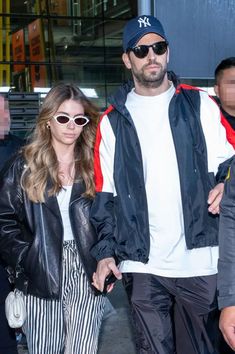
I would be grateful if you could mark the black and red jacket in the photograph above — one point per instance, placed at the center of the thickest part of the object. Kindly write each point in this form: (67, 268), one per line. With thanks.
(120, 211)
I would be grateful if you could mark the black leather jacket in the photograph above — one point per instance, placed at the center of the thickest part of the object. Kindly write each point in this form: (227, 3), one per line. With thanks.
(31, 234)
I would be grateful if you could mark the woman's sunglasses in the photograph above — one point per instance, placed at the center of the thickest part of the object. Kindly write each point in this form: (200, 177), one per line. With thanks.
(79, 119)
(141, 51)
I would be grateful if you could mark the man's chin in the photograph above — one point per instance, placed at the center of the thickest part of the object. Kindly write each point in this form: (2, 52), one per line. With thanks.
(153, 81)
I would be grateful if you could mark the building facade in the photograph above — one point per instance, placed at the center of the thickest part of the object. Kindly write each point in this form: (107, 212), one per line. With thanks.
(46, 41)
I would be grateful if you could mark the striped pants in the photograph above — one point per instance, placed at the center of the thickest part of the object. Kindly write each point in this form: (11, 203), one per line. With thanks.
(71, 324)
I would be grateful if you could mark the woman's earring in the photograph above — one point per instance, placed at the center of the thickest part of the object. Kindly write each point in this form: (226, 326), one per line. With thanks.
(48, 126)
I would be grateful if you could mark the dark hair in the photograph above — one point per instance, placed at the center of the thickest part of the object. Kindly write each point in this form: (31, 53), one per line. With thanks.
(223, 65)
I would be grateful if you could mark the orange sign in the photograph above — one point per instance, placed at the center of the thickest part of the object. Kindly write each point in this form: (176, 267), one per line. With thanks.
(18, 50)
(37, 54)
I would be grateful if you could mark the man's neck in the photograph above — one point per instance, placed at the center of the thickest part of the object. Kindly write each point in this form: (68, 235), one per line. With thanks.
(229, 110)
(152, 91)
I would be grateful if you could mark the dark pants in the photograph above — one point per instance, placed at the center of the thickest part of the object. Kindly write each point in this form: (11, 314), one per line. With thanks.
(173, 315)
(7, 335)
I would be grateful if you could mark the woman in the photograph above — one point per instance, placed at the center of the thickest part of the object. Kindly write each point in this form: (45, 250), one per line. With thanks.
(45, 234)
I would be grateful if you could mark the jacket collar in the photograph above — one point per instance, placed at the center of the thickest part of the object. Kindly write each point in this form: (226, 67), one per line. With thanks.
(118, 100)
(77, 190)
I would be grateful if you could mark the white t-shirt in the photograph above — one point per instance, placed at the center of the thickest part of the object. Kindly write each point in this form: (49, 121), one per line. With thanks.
(169, 255)
(63, 199)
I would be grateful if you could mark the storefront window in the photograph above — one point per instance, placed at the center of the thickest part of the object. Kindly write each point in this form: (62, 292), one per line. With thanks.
(46, 41)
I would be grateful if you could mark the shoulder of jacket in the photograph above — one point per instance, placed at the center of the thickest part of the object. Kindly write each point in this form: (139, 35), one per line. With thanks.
(232, 166)
(230, 179)
(193, 91)
(111, 114)
(195, 97)
(16, 163)
(187, 88)
(107, 112)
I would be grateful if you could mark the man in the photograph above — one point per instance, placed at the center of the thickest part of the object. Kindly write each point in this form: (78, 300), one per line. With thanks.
(225, 91)
(9, 144)
(156, 158)
(226, 264)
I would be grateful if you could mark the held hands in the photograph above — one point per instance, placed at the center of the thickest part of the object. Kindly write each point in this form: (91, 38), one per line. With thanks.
(227, 325)
(104, 268)
(214, 198)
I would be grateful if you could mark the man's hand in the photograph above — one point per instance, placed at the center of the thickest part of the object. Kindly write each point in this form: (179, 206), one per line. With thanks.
(215, 197)
(227, 325)
(104, 268)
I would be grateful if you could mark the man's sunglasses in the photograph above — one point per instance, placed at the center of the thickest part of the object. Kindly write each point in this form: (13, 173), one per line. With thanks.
(79, 119)
(141, 51)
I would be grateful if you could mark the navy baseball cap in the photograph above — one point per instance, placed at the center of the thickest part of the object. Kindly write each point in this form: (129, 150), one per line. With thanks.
(138, 27)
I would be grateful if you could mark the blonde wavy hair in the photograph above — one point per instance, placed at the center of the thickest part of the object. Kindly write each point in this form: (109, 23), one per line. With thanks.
(42, 168)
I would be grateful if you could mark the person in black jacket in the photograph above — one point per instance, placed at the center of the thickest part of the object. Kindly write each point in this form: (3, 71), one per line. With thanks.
(45, 234)
(225, 91)
(9, 144)
(158, 187)
(226, 264)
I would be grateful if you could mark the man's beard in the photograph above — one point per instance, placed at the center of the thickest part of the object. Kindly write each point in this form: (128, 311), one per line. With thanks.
(152, 80)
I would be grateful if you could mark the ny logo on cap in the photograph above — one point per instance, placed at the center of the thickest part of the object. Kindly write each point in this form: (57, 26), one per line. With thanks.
(144, 21)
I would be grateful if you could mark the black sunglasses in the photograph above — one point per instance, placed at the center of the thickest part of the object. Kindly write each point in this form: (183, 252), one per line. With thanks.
(141, 51)
(79, 120)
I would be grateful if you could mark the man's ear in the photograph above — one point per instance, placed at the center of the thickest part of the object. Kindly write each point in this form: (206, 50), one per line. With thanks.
(216, 89)
(126, 60)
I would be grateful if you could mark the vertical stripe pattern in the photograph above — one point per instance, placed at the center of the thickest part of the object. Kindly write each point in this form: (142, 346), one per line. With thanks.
(71, 324)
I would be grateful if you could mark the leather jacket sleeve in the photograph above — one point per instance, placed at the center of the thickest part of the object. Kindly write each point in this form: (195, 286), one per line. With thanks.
(102, 218)
(15, 235)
